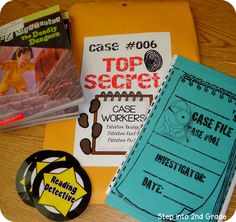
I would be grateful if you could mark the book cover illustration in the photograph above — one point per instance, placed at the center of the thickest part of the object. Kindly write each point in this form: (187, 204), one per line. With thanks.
(184, 159)
(38, 73)
(58, 115)
(120, 75)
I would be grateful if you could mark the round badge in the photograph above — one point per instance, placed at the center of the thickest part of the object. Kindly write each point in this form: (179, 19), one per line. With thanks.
(20, 177)
(61, 191)
(43, 160)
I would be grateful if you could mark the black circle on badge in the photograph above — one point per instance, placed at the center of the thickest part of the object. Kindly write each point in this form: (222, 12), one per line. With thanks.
(39, 189)
(20, 177)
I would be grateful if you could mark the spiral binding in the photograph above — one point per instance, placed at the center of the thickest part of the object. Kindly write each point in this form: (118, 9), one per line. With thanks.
(121, 95)
(130, 152)
(208, 87)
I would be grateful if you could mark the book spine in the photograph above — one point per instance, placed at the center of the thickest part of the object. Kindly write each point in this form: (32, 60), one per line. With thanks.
(227, 197)
(128, 153)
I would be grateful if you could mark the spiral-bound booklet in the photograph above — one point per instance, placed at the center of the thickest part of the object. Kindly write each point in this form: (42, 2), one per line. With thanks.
(182, 164)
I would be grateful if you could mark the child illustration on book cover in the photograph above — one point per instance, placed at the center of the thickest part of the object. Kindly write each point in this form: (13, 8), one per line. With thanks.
(35, 80)
(15, 70)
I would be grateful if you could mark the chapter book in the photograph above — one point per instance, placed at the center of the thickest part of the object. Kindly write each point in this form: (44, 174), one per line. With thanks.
(38, 74)
(183, 161)
(60, 115)
(108, 23)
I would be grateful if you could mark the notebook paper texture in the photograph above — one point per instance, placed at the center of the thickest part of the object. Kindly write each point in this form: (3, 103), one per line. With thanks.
(183, 161)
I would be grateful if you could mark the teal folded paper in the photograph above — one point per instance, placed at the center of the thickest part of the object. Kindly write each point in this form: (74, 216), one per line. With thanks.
(184, 159)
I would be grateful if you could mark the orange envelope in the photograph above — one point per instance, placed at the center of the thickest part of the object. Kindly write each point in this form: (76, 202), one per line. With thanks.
(98, 19)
